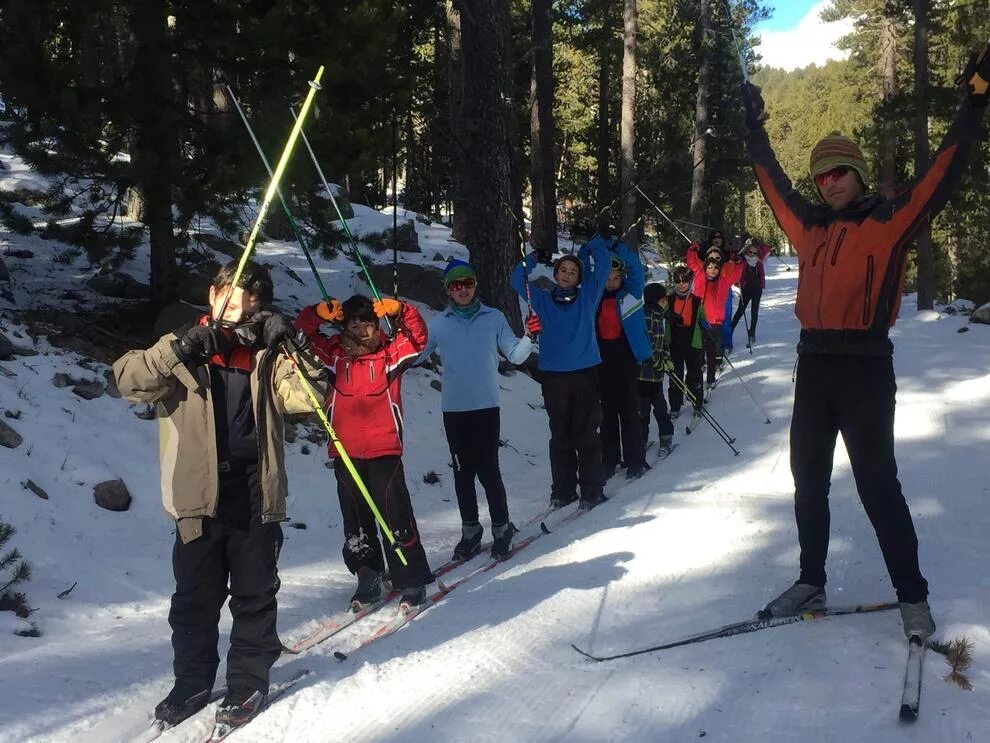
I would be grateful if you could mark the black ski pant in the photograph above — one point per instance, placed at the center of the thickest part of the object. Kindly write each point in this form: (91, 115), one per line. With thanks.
(685, 359)
(472, 436)
(621, 431)
(575, 413)
(651, 399)
(854, 396)
(749, 295)
(712, 343)
(386, 483)
(236, 556)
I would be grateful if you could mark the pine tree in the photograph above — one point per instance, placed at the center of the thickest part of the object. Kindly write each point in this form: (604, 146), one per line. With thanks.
(14, 570)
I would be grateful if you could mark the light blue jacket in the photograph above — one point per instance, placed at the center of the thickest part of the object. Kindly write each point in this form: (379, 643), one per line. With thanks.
(567, 341)
(630, 295)
(468, 348)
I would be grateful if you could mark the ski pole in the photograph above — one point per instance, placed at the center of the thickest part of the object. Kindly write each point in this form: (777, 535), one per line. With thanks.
(709, 418)
(285, 206)
(732, 29)
(314, 85)
(749, 343)
(739, 376)
(343, 222)
(348, 463)
(785, 265)
(662, 214)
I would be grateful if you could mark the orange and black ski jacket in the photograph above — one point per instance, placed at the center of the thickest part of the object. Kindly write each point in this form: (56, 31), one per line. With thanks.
(852, 261)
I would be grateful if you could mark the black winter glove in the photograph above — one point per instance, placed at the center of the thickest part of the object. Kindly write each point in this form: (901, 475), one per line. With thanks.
(755, 107)
(200, 343)
(276, 330)
(976, 75)
(545, 257)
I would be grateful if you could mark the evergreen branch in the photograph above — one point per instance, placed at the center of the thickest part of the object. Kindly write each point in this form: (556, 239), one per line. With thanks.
(959, 656)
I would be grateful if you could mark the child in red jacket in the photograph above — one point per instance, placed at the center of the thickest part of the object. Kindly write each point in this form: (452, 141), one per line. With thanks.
(712, 283)
(364, 406)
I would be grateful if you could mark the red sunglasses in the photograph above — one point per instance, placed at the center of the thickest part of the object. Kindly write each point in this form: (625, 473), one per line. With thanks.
(823, 179)
(461, 284)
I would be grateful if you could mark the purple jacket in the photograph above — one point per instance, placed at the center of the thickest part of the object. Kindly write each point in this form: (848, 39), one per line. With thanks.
(760, 271)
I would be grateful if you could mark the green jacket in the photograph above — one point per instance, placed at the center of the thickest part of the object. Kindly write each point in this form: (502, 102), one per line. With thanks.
(187, 435)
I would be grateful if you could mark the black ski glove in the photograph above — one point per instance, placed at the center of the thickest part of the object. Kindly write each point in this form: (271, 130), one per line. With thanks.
(976, 75)
(199, 343)
(753, 103)
(276, 330)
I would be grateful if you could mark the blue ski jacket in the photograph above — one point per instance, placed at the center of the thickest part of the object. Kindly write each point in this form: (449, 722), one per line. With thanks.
(630, 295)
(567, 341)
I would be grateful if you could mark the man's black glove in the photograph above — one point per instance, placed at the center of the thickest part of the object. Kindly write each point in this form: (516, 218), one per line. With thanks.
(276, 330)
(200, 343)
(753, 103)
(976, 75)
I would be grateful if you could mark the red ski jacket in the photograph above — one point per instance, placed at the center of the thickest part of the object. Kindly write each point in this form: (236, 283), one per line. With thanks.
(713, 293)
(852, 262)
(364, 403)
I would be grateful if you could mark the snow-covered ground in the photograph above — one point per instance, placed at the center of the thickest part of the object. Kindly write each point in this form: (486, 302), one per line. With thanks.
(704, 539)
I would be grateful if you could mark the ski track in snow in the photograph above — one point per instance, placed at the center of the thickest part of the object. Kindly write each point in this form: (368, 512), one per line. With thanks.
(703, 539)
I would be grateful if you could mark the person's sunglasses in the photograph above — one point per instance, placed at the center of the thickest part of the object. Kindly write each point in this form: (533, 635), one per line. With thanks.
(682, 281)
(823, 179)
(461, 284)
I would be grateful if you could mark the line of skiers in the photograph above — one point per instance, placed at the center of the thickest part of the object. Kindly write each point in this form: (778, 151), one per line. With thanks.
(223, 386)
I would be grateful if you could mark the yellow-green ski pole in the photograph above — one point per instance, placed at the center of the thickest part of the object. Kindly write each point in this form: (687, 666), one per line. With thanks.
(344, 457)
(283, 162)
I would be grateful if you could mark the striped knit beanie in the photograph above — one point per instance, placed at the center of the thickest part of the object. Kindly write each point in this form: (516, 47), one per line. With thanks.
(834, 150)
(457, 270)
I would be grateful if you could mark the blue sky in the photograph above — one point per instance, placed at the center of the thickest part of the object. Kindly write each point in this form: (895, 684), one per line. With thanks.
(786, 14)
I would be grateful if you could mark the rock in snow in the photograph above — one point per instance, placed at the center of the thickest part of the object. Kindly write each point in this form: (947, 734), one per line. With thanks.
(112, 495)
(981, 315)
(9, 437)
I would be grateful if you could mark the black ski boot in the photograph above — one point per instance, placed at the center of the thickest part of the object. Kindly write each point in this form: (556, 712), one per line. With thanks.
(180, 704)
(665, 446)
(369, 590)
(637, 471)
(589, 502)
(470, 544)
(240, 705)
(502, 540)
(411, 598)
(557, 501)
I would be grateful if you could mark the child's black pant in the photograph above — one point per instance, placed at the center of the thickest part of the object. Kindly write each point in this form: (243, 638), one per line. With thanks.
(712, 343)
(617, 375)
(235, 556)
(472, 436)
(651, 398)
(749, 295)
(685, 359)
(385, 481)
(575, 413)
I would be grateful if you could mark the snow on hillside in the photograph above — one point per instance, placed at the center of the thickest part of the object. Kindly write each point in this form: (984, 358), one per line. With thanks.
(704, 539)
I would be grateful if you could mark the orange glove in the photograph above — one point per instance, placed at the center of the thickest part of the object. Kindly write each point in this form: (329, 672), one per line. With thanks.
(533, 326)
(332, 312)
(386, 306)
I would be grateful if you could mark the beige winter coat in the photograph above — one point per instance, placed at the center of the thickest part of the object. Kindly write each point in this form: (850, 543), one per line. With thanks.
(187, 438)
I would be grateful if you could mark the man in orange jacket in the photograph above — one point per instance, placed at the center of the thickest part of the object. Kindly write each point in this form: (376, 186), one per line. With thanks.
(852, 250)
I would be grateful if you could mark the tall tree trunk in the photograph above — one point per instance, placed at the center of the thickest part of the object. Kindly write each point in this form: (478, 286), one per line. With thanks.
(604, 140)
(926, 258)
(457, 103)
(543, 175)
(155, 144)
(483, 135)
(699, 195)
(888, 72)
(439, 125)
(627, 136)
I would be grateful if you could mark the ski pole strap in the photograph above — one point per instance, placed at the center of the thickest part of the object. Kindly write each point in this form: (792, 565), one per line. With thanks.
(285, 206)
(344, 456)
